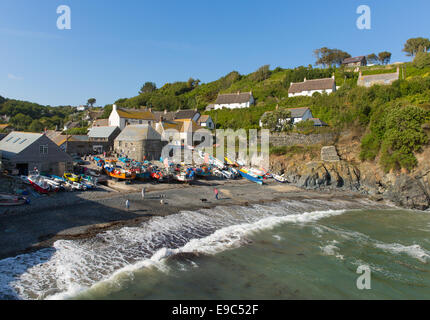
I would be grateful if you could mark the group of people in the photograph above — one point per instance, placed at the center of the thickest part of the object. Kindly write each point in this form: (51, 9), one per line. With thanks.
(127, 202)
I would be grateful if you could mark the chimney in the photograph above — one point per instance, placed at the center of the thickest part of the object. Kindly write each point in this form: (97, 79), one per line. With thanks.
(114, 107)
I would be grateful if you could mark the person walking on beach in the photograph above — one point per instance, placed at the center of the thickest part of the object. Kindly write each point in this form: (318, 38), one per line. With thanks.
(143, 193)
(127, 204)
(216, 193)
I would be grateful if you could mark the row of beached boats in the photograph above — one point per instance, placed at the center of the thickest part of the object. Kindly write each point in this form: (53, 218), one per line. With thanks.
(124, 168)
(51, 183)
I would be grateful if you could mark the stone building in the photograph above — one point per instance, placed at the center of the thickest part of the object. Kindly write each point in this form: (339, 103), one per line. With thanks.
(381, 79)
(102, 138)
(22, 152)
(139, 142)
(355, 61)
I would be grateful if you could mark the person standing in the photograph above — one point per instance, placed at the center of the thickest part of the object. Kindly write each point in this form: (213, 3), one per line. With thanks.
(127, 204)
(216, 193)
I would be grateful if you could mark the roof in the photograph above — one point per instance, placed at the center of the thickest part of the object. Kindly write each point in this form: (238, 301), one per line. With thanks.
(229, 98)
(298, 112)
(353, 59)
(188, 125)
(203, 118)
(101, 132)
(185, 114)
(4, 126)
(169, 116)
(138, 132)
(136, 114)
(311, 85)
(15, 142)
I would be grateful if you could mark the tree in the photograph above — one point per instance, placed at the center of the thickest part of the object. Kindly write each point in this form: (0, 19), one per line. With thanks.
(415, 45)
(278, 120)
(372, 58)
(36, 126)
(91, 101)
(329, 57)
(148, 87)
(261, 74)
(384, 57)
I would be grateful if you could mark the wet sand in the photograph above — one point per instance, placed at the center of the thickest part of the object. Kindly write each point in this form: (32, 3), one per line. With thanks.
(77, 215)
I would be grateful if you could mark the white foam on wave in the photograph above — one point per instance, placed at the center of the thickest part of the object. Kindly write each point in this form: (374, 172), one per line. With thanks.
(221, 240)
(414, 251)
(74, 266)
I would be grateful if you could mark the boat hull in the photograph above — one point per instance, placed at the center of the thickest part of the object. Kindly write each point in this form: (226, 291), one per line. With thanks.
(250, 177)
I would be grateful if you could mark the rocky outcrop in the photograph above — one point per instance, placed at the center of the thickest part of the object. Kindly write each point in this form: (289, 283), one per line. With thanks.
(408, 190)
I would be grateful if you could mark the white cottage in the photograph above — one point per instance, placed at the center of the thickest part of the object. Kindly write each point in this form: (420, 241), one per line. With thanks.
(309, 87)
(123, 117)
(234, 100)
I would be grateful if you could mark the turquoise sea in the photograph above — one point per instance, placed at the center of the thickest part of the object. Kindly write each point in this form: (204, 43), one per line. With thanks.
(298, 249)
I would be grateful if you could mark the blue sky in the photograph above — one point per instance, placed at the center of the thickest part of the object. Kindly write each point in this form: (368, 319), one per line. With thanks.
(115, 46)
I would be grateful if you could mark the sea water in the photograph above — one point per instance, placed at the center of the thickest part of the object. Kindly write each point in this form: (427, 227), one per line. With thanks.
(298, 249)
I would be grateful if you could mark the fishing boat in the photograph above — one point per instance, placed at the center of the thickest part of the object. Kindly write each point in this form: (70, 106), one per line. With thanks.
(119, 173)
(38, 184)
(72, 177)
(12, 200)
(251, 177)
(185, 176)
(278, 178)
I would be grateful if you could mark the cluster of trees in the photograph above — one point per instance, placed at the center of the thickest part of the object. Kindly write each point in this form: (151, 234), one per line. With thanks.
(330, 57)
(382, 58)
(32, 117)
(415, 45)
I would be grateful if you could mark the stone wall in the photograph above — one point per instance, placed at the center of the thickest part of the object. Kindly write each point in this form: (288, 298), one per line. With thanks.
(292, 139)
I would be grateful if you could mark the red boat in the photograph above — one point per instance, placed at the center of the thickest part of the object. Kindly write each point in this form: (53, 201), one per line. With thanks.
(39, 184)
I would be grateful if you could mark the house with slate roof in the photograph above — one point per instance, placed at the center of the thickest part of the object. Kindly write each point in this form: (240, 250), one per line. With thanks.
(23, 152)
(139, 142)
(360, 61)
(309, 87)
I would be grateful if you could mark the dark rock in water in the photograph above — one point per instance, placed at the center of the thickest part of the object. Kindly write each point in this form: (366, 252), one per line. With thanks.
(409, 192)
(405, 190)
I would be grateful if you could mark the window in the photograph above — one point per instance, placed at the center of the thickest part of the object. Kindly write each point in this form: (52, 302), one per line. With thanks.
(43, 149)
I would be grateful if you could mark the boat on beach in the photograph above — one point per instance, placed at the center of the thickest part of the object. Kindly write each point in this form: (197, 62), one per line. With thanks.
(72, 177)
(250, 176)
(39, 184)
(12, 200)
(279, 178)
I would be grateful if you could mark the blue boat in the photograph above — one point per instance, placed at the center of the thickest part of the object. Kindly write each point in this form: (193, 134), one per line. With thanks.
(251, 177)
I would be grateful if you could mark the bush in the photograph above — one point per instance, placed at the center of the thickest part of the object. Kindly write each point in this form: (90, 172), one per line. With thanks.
(422, 60)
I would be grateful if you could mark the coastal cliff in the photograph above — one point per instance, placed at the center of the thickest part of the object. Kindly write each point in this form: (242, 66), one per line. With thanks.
(407, 189)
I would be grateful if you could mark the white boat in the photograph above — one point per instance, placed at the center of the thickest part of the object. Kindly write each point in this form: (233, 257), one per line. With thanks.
(280, 179)
(227, 174)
